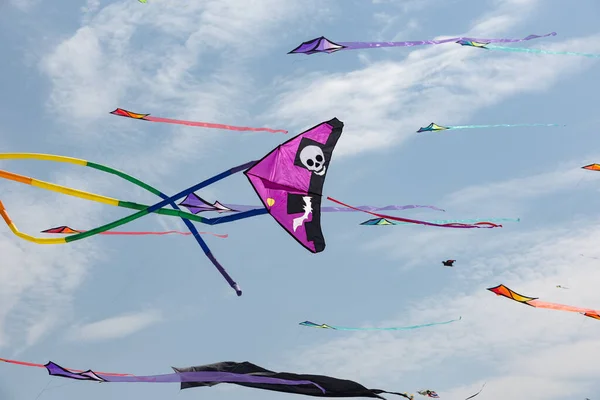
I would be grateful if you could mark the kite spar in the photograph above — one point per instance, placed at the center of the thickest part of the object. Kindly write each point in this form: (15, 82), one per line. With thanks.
(324, 45)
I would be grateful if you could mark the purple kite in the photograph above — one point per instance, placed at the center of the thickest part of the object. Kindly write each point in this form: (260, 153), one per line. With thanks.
(289, 182)
(237, 373)
(324, 45)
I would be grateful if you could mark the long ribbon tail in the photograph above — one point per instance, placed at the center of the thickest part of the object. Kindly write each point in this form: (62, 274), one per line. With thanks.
(106, 200)
(498, 126)
(366, 45)
(385, 222)
(561, 307)
(90, 196)
(539, 51)
(146, 117)
(96, 197)
(414, 221)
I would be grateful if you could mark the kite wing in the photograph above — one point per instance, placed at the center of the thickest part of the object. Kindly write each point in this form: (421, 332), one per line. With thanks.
(428, 393)
(313, 325)
(502, 290)
(289, 182)
(318, 45)
(377, 221)
(472, 43)
(592, 167)
(432, 127)
(197, 204)
(62, 229)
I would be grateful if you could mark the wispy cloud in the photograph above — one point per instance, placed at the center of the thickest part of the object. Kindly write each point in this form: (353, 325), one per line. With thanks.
(115, 327)
(384, 103)
(540, 259)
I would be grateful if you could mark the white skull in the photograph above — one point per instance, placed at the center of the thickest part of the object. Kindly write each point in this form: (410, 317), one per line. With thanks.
(313, 159)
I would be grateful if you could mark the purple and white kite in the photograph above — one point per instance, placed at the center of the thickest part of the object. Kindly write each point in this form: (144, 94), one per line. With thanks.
(324, 45)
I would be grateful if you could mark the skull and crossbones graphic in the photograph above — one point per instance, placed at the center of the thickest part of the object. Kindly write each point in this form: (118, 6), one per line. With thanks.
(313, 159)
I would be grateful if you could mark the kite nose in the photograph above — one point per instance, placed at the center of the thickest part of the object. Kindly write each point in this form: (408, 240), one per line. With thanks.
(317, 165)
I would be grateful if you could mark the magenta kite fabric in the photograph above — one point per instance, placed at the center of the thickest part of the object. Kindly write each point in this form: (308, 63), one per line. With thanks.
(289, 181)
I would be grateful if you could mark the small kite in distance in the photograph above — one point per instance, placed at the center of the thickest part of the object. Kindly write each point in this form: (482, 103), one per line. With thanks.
(502, 290)
(429, 393)
(482, 44)
(449, 263)
(146, 117)
(433, 127)
(237, 373)
(342, 328)
(592, 167)
(324, 45)
(561, 287)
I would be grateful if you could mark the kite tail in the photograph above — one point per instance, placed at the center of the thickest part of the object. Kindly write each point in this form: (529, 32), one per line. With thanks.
(538, 51)
(167, 201)
(414, 221)
(498, 126)
(146, 117)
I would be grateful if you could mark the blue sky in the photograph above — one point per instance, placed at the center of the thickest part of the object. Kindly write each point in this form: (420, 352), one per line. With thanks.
(141, 305)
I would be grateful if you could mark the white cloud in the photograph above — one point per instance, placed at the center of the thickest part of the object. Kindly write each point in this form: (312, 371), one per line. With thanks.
(384, 103)
(184, 60)
(567, 176)
(540, 342)
(520, 351)
(24, 5)
(115, 327)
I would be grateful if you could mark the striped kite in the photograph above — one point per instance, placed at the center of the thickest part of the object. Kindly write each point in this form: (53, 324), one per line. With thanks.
(502, 290)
